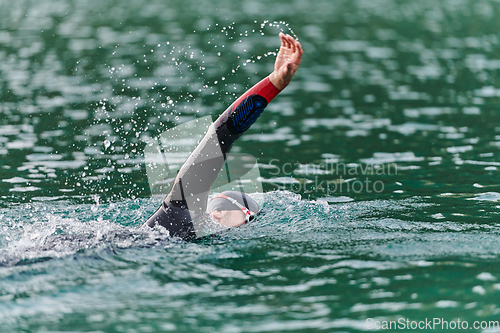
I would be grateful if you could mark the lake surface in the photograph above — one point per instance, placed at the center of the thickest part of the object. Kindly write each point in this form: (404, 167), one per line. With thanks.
(379, 165)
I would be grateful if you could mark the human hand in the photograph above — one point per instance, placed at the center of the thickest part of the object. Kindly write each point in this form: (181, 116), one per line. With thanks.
(287, 61)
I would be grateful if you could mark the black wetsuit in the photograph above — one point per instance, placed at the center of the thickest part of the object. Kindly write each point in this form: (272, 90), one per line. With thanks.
(187, 197)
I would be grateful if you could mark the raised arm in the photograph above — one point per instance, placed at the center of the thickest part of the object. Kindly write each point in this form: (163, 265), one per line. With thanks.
(286, 64)
(188, 195)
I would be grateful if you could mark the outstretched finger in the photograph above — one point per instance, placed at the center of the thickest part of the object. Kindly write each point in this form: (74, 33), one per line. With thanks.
(283, 39)
(300, 51)
(285, 42)
(299, 47)
(291, 40)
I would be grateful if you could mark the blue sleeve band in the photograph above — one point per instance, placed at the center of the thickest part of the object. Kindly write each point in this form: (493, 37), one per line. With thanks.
(247, 112)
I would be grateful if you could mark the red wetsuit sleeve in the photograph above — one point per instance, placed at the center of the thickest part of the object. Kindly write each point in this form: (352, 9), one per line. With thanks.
(264, 88)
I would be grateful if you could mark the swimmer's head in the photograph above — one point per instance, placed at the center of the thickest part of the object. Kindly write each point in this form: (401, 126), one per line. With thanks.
(232, 208)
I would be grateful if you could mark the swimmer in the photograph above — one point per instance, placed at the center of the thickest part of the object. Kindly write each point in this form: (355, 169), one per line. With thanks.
(187, 198)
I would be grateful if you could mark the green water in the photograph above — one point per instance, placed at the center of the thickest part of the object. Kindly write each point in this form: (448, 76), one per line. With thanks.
(379, 165)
